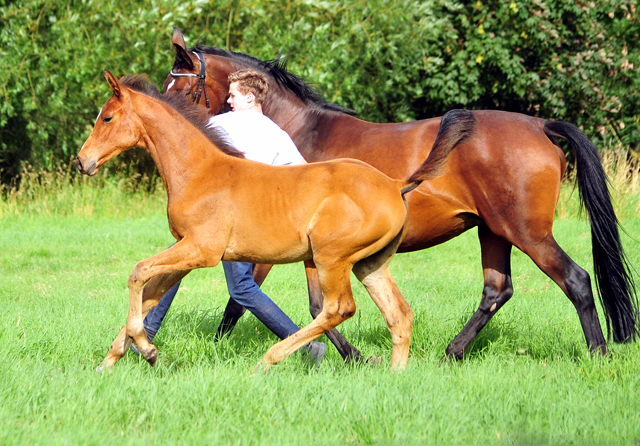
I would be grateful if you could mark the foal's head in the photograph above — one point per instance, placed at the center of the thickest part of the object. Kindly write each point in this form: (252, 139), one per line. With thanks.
(119, 127)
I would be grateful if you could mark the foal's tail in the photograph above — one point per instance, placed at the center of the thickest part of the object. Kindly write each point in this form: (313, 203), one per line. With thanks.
(455, 128)
(611, 267)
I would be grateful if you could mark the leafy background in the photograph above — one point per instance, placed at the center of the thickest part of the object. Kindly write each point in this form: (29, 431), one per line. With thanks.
(389, 60)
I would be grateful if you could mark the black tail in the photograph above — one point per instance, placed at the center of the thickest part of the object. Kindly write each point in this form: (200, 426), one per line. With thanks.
(611, 267)
(455, 128)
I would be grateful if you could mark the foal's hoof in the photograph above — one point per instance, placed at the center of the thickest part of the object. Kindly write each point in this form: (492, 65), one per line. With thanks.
(151, 355)
(263, 367)
(105, 366)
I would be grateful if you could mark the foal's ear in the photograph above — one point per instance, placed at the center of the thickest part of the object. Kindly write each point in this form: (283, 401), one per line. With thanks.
(113, 83)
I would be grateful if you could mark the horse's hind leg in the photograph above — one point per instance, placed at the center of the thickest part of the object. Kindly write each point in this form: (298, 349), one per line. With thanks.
(576, 284)
(498, 289)
(348, 352)
(374, 274)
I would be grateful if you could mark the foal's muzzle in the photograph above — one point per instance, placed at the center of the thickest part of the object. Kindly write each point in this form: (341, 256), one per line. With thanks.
(87, 169)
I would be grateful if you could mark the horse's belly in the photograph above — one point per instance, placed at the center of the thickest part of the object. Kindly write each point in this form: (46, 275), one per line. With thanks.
(436, 216)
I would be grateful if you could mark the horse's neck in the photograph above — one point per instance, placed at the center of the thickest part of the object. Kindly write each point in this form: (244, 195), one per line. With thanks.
(176, 146)
(312, 129)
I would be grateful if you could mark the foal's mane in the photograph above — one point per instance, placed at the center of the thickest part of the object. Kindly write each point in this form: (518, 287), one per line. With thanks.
(197, 116)
(277, 69)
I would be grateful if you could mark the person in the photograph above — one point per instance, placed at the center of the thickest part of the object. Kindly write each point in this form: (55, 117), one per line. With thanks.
(262, 140)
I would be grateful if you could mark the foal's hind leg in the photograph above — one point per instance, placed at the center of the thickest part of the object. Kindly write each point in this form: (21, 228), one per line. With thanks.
(498, 289)
(395, 309)
(348, 352)
(338, 306)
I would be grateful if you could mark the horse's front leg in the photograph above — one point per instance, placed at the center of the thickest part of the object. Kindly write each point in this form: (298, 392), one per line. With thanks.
(153, 291)
(132, 329)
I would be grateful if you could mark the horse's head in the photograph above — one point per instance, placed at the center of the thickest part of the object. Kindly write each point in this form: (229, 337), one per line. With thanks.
(117, 129)
(206, 83)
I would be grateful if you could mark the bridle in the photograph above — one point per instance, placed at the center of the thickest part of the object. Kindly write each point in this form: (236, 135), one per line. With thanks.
(200, 87)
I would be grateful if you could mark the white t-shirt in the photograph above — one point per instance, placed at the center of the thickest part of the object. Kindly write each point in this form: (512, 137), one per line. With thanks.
(258, 137)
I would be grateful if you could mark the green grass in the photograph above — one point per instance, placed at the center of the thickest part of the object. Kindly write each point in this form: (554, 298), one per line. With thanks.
(64, 264)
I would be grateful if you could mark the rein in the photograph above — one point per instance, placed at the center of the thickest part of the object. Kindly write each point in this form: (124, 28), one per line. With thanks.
(200, 87)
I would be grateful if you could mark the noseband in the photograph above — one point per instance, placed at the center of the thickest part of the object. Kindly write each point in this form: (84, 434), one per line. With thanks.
(200, 87)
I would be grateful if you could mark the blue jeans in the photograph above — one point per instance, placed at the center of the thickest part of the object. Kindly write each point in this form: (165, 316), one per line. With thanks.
(244, 290)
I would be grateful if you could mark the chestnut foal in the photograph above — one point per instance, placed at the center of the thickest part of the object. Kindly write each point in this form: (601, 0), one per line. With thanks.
(344, 215)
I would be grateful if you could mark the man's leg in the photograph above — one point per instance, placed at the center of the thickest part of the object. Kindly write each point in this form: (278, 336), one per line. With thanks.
(246, 292)
(156, 315)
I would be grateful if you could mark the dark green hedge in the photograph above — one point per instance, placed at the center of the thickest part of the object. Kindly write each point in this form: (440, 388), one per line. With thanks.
(389, 60)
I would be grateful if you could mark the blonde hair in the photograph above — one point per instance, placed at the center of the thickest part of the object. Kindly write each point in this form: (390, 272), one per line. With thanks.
(251, 81)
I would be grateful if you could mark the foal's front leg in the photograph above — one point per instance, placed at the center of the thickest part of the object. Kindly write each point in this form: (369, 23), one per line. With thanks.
(153, 291)
(180, 258)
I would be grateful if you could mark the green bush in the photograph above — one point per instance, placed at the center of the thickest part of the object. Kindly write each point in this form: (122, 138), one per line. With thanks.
(388, 60)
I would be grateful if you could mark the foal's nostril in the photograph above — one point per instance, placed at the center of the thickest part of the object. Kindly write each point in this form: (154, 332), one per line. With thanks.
(78, 163)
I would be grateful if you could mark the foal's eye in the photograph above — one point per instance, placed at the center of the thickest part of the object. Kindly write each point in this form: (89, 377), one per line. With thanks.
(105, 120)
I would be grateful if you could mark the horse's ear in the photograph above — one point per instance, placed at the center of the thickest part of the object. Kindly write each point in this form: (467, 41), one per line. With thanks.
(182, 56)
(113, 83)
(178, 38)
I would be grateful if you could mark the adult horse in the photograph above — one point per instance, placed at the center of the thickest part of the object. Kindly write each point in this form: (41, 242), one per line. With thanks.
(504, 178)
(343, 214)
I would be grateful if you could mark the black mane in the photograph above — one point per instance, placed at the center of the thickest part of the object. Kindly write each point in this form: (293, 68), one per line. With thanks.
(277, 69)
(197, 116)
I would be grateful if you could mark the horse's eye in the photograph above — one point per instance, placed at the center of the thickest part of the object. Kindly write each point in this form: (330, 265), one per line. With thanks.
(105, 120)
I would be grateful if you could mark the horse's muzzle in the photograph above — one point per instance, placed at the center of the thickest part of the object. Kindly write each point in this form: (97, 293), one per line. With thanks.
(87, 168)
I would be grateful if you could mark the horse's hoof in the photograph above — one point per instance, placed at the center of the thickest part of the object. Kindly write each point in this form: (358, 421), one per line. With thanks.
(602, 350)
(450, 358)
(374, 360)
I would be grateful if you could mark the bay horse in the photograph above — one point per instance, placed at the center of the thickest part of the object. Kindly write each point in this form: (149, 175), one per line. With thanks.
(343, 214)
(504, 178)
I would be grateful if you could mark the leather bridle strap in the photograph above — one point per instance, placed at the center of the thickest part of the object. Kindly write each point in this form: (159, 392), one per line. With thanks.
(200, 86)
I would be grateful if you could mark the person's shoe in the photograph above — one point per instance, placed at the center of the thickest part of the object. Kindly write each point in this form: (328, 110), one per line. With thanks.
(315, 352)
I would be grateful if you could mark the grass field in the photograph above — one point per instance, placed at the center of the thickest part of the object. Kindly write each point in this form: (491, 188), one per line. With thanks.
(64, 264)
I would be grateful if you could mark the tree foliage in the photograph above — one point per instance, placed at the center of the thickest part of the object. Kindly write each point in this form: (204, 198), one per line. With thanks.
(389, 60)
